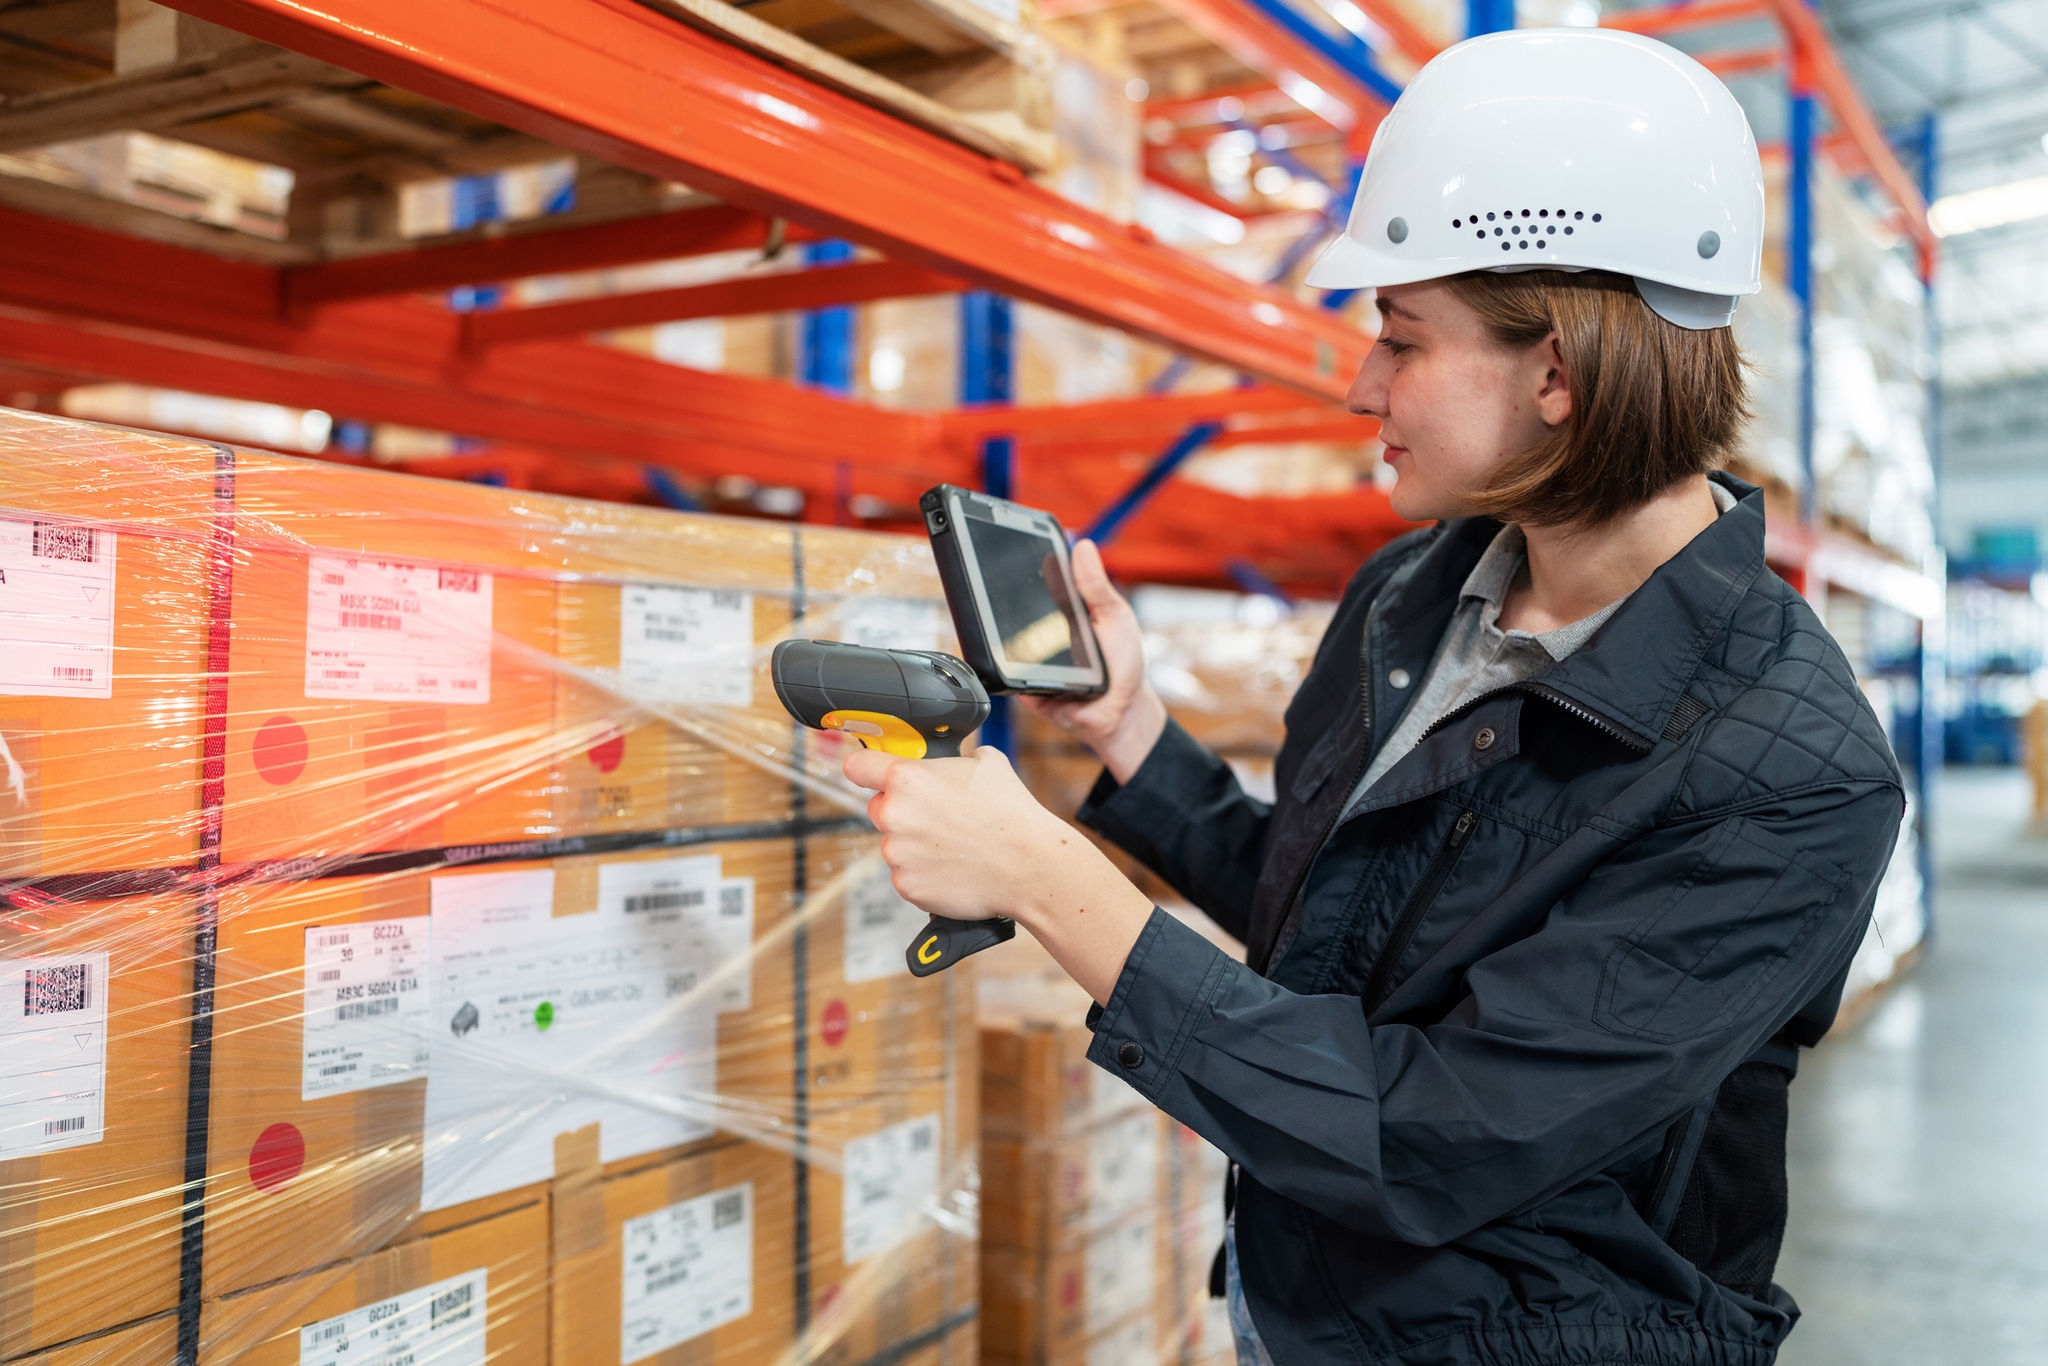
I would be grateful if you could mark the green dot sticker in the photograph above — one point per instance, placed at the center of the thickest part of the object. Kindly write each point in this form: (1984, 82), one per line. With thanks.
(543, 1015)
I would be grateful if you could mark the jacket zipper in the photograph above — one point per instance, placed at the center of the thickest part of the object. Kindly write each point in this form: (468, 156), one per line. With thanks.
(1433, 878)
(1556, 699)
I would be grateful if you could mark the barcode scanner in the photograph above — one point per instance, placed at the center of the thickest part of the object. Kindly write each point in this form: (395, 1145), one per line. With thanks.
(915, 704)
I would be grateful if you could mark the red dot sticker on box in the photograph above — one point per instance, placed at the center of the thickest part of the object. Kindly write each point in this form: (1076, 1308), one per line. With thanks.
(277, 1157)
(608, 752)
(1070, 1290)
(280, 750)
(834, 1023)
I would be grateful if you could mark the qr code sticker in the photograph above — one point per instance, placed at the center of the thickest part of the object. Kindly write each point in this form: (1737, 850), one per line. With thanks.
(55, 991)
(728, 1210)
(54, 542)
(452, 1306)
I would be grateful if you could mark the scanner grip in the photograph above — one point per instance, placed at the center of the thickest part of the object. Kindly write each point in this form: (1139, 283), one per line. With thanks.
(942, 942)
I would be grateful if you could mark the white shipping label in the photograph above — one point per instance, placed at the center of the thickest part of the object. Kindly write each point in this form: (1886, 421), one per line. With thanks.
(53, 1052)
(1123, 1165)
(885, 623)
(442, 1324)
(879, 925)
(688, 1269)
(543, 1023)
(1133, 1344)
(889, 1178)
(365, 1015)
(56, 609)
(689, 645)
(1120, 1265)
(388, 631)
(703, 921)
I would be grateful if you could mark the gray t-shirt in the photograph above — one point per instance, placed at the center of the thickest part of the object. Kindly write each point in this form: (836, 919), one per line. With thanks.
(1477, 657)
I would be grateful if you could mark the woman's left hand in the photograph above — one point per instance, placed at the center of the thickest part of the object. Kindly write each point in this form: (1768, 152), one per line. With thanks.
(964, 839)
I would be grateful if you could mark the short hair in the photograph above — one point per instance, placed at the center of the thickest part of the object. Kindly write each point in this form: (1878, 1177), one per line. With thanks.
(1652, 402)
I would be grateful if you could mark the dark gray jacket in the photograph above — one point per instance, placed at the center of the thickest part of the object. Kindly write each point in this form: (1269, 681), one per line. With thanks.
(1506, 1075)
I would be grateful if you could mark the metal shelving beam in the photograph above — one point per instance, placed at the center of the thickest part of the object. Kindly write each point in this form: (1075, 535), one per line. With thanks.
(618, 81)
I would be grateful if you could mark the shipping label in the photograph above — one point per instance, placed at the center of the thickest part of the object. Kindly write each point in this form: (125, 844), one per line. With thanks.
(885, 623)
(365, 1007)
(442, 1324)
(1123, 1165)
(687, 645)
(1135, 1343)
(688, 1269)
(1120, 1265)
(56, 609)
(879, 925)
(389, 631)
(889, 1179)
(541, 1024)
(53, 1052)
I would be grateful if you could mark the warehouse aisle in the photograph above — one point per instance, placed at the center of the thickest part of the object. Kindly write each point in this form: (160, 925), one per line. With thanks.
(1919, 1224)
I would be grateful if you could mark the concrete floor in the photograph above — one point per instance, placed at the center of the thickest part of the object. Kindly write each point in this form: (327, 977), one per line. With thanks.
(1919, 1144)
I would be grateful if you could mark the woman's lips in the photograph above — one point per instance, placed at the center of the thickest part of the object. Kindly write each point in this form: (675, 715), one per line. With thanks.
(1392, 454)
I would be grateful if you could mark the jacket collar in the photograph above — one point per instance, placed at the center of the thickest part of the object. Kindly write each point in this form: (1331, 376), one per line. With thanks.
(1638, 664)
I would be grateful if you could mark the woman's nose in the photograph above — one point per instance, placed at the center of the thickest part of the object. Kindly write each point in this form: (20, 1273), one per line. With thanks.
(1367, 396)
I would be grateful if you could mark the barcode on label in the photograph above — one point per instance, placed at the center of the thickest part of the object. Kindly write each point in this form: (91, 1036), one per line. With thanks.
(53, 1127)
(337, 1069)
(67, 673)
(332, 580)
(725, 600)
(328, 941)
(52, 542)
(732, 901)
(921, 1139)
(326, 1332)
(458, 580)
(662, 1280)
(371, 621)
(679, 900)
(728, 1210)
(328, 975)
(54, 991)
(451, 1306)
(667, 633)
(359, 1010)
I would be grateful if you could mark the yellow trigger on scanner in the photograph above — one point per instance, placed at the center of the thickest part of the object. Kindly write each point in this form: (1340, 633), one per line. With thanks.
(878, 730)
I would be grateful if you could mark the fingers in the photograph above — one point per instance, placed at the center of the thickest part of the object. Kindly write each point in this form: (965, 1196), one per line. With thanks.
(1093, 579)
(869, 768)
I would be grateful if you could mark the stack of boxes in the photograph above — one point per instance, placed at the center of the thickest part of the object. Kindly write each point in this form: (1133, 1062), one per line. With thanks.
(1100, 1216)
(421, 930)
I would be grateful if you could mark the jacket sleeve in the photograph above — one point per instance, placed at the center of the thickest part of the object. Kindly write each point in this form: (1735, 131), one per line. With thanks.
(1684, 950)
(1184, 816)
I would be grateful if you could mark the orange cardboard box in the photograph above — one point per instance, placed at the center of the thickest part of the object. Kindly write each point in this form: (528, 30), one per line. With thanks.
(414, 1049)
(885, 1267)
(104, 628)
(1039, 1193)
(691, 1261)
(94, 1033)
(152, 1343)
(474, 1293)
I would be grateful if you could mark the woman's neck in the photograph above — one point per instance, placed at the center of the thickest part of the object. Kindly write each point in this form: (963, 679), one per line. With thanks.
(1573, 571)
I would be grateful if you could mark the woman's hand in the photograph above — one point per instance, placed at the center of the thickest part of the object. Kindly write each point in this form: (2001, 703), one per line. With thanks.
(964, 839)
(1123, 724)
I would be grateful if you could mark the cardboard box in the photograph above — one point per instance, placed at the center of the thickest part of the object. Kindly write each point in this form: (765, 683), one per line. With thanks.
(624, 992)
(1039, 1193)
(152, 1343)
(1037, 1081)
(103, 647)
(1046, 1305)
(885, 1267)
(94, 1029)
(478, 1292)
(692, 1261)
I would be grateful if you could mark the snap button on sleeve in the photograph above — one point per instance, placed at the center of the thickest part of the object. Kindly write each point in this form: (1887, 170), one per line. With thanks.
(1397, 678)
(1130, 1054)
(1484, 739)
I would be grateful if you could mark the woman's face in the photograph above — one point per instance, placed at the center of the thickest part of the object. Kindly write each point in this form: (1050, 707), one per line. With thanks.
(1452, 404)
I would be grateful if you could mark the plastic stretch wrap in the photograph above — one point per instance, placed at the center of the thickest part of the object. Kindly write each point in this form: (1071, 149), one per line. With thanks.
(1101, 1217)
(424, 938)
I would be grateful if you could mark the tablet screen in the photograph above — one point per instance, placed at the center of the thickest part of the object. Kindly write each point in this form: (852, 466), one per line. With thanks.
(1027, 594)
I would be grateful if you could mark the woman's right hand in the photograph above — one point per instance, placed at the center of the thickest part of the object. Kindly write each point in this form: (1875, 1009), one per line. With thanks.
(1123, 724)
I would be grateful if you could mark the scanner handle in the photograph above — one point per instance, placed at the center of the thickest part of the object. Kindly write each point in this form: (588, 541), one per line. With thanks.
(942, 942)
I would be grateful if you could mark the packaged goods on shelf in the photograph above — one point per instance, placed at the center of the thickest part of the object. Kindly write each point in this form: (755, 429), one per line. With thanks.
(421, 930)
(1101, 1217)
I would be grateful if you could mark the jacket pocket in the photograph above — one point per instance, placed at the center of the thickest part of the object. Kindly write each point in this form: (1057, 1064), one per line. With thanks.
(1315, 767)
(1746, 908)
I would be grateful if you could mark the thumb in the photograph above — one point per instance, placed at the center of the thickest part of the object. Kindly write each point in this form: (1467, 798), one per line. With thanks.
(1092, 578)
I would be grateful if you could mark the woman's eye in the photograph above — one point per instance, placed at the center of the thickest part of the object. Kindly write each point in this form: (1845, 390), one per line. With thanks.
(1395, 348)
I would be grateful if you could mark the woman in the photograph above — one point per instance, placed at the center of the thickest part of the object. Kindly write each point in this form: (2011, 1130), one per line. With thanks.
(1580, 811)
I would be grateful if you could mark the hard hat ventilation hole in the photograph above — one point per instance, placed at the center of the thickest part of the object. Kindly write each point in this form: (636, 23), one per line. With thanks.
(1543, 213)
(1525, 246)
(1489, 218)
(1580, 214)
(1507, 246)
(1567, 231)
(1482, 234)
(1525, 213)
(1596, 218)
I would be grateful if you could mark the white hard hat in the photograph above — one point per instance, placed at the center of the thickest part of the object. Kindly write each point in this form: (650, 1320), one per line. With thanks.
(1562, 148)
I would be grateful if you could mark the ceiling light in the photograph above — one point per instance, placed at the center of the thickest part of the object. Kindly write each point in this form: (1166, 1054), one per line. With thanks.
(1991, 207)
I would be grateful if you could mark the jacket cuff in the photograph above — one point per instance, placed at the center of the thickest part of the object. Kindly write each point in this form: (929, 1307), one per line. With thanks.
(1141, 813)
(1166, 986)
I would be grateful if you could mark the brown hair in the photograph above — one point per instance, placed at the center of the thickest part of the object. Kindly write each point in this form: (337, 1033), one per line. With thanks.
(1652, 402)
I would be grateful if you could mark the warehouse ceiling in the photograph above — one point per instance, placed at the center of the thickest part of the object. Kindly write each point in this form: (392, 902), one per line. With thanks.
(1981, 67)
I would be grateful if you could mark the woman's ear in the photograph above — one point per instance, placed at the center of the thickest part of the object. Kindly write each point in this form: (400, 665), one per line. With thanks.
(1554, 397)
